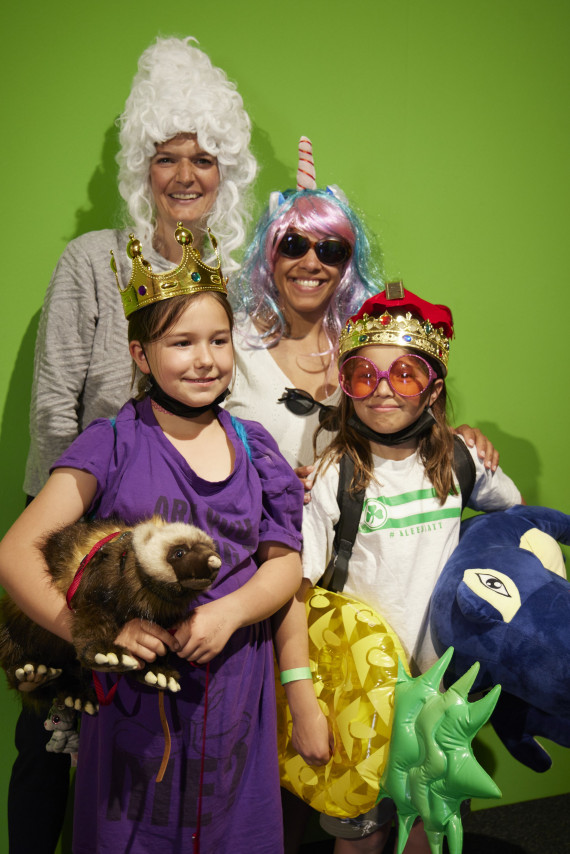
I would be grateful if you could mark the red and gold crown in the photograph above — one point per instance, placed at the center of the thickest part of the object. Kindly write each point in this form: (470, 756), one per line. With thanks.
(400, 318)
(192, 276)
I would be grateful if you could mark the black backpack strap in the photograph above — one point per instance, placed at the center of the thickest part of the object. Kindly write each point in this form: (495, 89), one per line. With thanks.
(464, 468)
(346, 528)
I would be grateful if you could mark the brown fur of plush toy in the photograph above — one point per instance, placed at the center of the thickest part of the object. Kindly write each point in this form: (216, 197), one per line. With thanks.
(151, 571)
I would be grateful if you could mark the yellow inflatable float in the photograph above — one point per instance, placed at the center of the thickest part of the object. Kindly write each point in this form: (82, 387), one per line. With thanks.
(353, 656)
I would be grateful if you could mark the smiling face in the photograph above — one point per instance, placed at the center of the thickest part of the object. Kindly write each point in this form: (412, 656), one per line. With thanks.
(385, 411)
(305, 284)
(184, 180)
(193, 360)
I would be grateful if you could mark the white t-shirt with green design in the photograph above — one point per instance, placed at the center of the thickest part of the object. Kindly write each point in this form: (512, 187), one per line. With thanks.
(405, 537)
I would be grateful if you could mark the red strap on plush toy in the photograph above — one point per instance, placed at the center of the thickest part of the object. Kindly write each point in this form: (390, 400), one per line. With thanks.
(79, 574)
(104, 699)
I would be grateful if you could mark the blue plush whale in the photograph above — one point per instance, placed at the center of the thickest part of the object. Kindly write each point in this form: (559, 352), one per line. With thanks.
(503, 599)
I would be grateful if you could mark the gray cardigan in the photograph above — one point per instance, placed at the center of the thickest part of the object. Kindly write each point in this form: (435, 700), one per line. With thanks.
(82, 366)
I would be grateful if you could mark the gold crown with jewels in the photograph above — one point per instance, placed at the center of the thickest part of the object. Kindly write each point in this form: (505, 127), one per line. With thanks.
(192, 276)
(429, 331)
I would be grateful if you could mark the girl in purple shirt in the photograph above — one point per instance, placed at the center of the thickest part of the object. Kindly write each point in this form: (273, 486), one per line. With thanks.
(175, 453)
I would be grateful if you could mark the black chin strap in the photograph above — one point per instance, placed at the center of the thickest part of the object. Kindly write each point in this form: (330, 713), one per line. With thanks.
(423, 425)
(175, 407)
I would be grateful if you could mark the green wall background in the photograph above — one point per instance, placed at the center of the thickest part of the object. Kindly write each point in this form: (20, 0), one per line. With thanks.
(446, 123)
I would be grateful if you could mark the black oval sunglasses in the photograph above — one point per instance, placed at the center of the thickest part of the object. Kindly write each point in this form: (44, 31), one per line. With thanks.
(330, 251)
(300, 402)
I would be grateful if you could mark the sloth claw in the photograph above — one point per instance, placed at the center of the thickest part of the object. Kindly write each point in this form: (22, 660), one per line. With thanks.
(162, 681)
(79, 705)
(31, 677)
(109, 658)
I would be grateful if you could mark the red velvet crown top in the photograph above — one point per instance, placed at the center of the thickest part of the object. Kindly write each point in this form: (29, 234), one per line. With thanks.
(438, 315)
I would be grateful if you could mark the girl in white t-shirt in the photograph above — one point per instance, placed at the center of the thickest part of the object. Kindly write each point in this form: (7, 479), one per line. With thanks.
(392, 425)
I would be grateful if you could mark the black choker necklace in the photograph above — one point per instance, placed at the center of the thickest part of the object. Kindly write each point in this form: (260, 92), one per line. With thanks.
(175, 407)
(423, 425)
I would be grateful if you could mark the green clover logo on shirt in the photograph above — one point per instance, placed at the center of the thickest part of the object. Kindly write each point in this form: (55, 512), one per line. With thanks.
(374, 515)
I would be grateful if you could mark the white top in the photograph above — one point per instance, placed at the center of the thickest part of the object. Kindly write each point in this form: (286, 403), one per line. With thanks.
(258, 385)
(404, 539)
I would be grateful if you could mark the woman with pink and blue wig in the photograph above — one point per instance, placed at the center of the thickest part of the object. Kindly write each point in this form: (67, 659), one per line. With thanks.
(308, 267)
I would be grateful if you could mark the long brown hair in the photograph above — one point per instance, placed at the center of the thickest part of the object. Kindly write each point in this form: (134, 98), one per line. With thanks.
(435, 447)
(152, 322)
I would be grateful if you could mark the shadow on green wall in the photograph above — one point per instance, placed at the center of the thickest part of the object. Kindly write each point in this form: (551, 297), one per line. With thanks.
(519, 458)
(105, 205)
(14, 432)
(102, 212)
(273, 174)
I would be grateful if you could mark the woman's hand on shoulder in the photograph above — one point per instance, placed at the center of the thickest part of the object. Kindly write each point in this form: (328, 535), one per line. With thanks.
(305, 475)
(145, 640)
(486, 451)
(206, 631)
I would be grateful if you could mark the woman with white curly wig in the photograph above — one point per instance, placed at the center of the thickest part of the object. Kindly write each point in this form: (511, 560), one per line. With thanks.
(184, 155)
(180, 100)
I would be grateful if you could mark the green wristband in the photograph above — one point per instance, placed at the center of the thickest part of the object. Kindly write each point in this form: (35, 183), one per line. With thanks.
(295, 674)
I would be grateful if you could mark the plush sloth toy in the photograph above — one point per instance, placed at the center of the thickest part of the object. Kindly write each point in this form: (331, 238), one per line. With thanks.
(150, 571)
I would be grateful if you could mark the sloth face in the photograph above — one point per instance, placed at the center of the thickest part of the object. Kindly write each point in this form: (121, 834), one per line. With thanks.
(195, 566)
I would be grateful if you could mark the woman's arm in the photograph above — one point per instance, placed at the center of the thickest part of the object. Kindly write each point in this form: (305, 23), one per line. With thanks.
(205, 633)
(23, 571)
(311, 737)
(67, 326)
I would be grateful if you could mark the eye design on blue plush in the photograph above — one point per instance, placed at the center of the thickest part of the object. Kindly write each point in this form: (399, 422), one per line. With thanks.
(491, 582)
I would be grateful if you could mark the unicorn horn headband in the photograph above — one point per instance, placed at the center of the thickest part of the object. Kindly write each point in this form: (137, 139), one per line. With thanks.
(306, 177)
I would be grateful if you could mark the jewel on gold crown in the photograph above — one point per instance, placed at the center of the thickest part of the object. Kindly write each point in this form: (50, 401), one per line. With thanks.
(192, 276)
(398, 330)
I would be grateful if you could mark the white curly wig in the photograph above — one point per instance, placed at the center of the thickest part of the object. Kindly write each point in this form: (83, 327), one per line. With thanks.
(178, 90)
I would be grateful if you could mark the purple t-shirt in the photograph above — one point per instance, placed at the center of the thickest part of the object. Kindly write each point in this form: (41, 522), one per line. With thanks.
(118, 804)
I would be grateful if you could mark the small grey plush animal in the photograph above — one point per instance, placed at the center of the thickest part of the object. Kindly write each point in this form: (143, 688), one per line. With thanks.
(61, 722)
